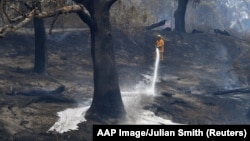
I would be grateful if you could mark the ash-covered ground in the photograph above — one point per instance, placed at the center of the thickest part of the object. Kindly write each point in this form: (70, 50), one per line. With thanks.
(202, 80)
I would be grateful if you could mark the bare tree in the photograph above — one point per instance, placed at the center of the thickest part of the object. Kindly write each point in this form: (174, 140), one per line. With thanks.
(21, 19)
(41, 55)
(180, 15)
(107, 102)
(15, 14)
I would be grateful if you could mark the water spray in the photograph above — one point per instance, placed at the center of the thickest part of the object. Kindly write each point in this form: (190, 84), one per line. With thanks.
(157, 60)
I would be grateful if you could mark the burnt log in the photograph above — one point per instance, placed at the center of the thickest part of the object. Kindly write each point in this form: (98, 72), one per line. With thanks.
(167, 29)
(194, 31)
(218, 31)
(37, 92)
(155, 25)
(234, 91)
(166, 94)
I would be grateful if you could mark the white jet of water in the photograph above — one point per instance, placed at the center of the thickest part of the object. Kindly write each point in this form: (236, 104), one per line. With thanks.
(157, 60)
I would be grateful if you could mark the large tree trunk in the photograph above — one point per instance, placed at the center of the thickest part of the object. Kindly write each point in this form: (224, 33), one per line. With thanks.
(40, 65)
(107, 102)
(180, 16)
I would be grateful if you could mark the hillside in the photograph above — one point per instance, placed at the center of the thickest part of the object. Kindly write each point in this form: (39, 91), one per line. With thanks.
(203, 80)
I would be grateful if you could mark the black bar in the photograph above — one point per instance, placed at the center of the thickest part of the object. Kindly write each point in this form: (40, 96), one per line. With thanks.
(165, 132)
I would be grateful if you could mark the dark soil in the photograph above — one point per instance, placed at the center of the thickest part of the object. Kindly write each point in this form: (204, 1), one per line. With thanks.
(196, 66)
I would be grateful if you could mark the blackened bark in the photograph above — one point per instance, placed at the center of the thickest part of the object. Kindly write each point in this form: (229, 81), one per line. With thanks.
(40, 65)
(180, 16)
(107, 101)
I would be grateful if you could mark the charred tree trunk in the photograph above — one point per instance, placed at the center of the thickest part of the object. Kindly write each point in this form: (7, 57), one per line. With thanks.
(107, 101)
(40, 65)
(180, 16)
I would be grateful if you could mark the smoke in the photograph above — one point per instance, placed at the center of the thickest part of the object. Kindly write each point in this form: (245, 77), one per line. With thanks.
(230, 15)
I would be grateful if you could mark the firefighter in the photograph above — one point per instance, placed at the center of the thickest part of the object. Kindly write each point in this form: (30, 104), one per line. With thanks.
(160, 45)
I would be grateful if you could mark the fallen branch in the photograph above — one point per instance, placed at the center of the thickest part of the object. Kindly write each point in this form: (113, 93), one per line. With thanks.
(49, 99)
(234, 91)
(38, 92)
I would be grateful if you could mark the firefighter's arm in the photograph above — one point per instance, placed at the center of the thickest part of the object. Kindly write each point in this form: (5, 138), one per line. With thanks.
(156, 45)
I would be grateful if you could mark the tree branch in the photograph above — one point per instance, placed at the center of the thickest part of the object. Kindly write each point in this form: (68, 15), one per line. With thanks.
(53, 23)
(4, 12)
(111, 2)
(85, 3)
(63, 10)
(35, 13)
(10, 28)
(85, 18)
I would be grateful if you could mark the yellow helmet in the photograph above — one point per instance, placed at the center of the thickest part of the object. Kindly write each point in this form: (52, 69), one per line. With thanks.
(159, 35)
